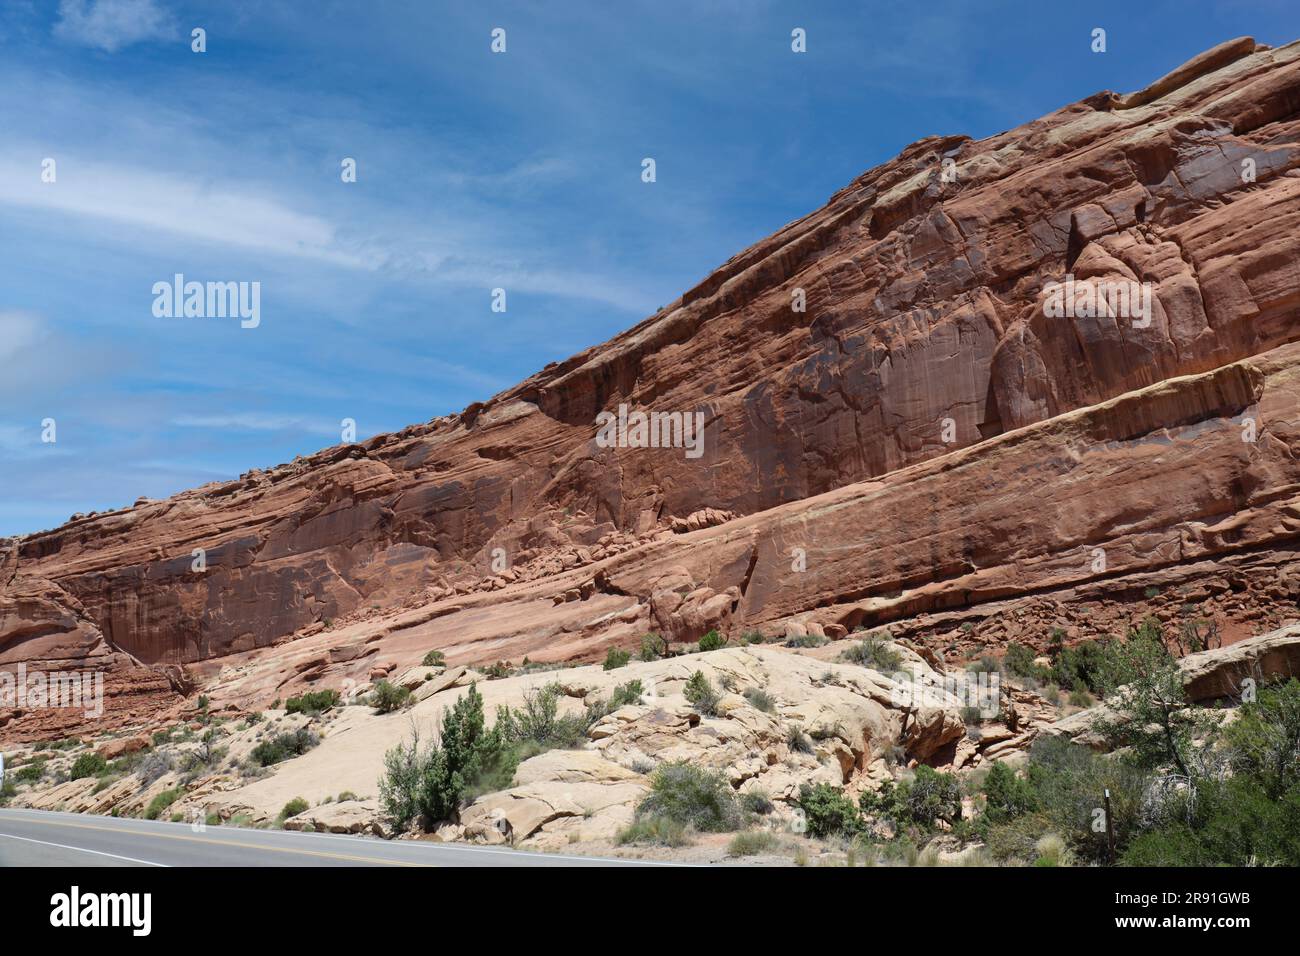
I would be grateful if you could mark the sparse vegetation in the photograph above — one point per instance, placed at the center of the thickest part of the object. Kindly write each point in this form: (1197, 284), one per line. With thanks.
(691, 796)
(283, 747)
(616, 657)
(701, 694)
(761, 700)
(653, 647)
(294, 807)
(161, 802)
(387, 697)
(312, 702)
(434, 659)
(875, 652)
(89, 764)
(427, 784)
(752, 843)
(712, 641)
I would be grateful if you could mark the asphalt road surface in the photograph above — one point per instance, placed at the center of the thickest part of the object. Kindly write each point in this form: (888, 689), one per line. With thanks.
(44, 838)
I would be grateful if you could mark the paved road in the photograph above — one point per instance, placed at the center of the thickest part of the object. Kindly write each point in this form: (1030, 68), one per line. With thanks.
(44, 838)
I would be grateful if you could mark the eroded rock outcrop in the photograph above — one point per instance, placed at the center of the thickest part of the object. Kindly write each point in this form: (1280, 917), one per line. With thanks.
(925, 439)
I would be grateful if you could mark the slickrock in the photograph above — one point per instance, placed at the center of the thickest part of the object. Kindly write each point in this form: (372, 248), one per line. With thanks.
(926, 446)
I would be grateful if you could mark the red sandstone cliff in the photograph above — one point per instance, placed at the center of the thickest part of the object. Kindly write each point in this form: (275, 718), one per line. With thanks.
(948, 456)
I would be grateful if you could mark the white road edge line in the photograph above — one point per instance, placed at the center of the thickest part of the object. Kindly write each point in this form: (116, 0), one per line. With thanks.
(132, 825)
(82, 849)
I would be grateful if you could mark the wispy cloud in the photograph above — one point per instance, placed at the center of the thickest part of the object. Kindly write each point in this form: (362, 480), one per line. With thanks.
(111, 25)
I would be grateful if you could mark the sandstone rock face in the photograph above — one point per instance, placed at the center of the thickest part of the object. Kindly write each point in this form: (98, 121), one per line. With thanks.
(927, 445)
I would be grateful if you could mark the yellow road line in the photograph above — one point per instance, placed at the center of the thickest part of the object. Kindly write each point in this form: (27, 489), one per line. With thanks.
(230, 843)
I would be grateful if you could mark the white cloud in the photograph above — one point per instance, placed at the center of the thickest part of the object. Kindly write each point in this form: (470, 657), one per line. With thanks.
(167, 203)
(254, 421)
(112, 24)
(18, 331)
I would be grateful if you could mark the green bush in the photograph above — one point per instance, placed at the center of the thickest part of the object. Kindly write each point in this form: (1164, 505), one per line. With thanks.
(284, 746)
(923, 801)
(312, 702)
(31, 772)
(691, 796)
(434, 659)
(1007, 795)
(1079, 667)
(616, 657)
(828, 811)
(701, 694)
(161, 802)
(88, 764)
(429, 783)
(294, 807)
(752, 843)
(712, 641)
(658, 831)
(874, 652)
(653, 647)
(761, 700)
(1019, 660)
(624, 694)
(387, 697)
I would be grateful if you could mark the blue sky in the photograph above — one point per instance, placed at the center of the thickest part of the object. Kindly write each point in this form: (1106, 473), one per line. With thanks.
(519, 170)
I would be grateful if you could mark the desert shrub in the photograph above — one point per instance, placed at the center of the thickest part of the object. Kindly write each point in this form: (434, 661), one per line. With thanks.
(653, 647)
(1019, 660)
(1147, 710)
(434, 659)
(624, 694)
(161, 802)
(761, 700)
(805, 640)
(498, 670)
(658, 831)
(984, 665)
(828, 811)
(874, 652)
(1052, 851)
(283, 747)
(691, 796)
(30, 773)
(7, 789)
(1264, 741)
(88, 765)
(616, 657)
(1006, 795)
(387, 697)
(538, 721)
(312, 702)
(930, 796)
(429, 783)
(1069, 781)
(294, 807)
(1079, 667)
(752, 637)
(797, 740)
(920, 803)
(752, 843)
(712, 641)
(756, 801)
(701, 694)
